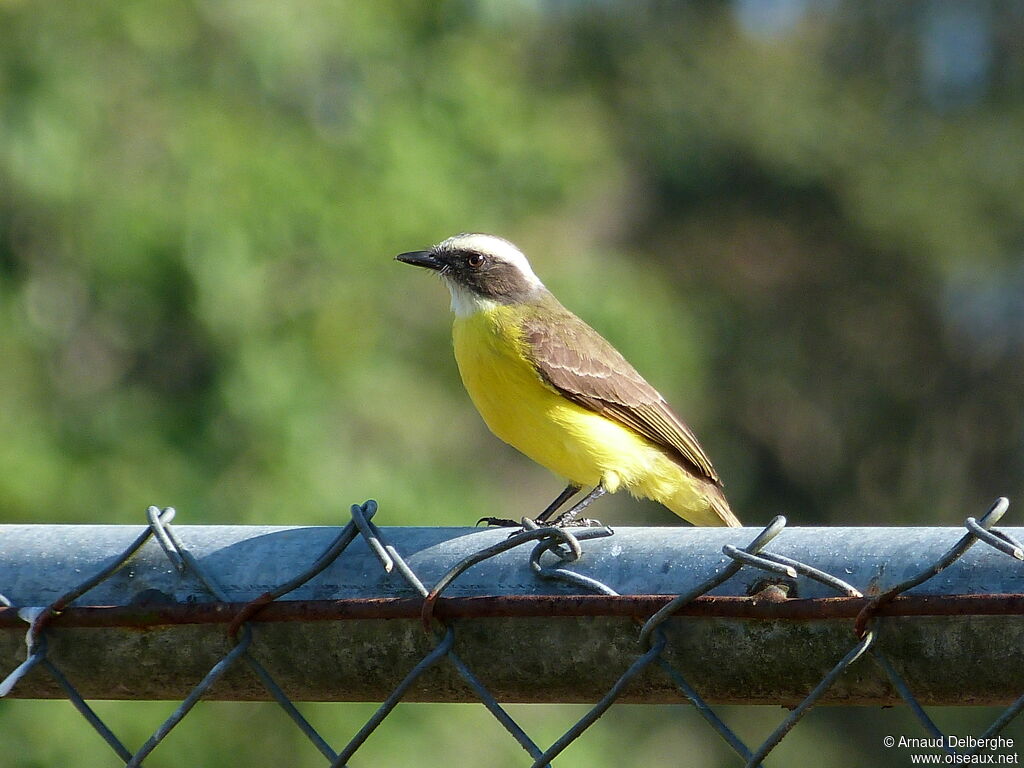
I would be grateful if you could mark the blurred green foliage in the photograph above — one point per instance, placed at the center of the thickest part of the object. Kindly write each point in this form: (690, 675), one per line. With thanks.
(802, 221)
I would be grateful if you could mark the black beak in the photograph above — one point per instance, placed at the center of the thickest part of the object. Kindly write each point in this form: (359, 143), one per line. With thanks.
(421, 259)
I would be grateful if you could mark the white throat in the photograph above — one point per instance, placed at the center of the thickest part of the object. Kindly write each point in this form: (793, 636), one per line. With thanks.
(465, 303)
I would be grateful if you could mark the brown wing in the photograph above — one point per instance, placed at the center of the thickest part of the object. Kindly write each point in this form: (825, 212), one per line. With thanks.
(577, 361)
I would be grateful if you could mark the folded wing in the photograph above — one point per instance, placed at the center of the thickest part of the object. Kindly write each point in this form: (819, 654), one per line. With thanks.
(578, 362)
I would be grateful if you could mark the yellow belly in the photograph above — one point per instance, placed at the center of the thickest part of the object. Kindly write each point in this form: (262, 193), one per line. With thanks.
(571, 441)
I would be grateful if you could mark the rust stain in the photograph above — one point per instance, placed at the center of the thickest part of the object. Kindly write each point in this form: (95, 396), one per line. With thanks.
(770, 603)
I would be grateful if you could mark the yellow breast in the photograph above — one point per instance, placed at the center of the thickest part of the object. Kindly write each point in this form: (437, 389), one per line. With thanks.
(522, 410)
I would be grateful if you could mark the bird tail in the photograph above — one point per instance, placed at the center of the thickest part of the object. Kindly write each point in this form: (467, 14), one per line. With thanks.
(710, 509)
(721, 508)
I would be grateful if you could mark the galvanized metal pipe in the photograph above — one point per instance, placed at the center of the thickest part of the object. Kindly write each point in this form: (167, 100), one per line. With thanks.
(159, 635)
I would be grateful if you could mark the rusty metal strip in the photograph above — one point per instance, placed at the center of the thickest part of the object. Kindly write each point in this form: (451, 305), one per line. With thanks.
(632, 606)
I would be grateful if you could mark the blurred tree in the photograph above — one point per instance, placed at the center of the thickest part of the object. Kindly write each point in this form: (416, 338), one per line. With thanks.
(819, 202)
(825, 238)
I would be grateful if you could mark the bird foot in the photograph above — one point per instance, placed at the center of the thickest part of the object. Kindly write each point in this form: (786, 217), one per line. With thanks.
(564, 521)
(499, 522)
(527, 523)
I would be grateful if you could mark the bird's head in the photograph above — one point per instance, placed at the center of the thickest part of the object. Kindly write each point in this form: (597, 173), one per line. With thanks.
(481, 271)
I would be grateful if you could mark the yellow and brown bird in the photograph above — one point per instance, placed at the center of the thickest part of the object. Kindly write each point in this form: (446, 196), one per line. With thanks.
(549, 385)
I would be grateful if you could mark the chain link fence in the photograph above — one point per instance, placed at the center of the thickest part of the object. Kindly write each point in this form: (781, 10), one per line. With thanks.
(554, 556)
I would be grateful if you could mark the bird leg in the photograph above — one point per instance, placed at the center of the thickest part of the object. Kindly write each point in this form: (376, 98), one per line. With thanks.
(568, 518)
(570, 490)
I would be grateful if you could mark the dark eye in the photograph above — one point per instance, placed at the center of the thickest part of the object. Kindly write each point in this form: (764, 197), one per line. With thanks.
(475, 260)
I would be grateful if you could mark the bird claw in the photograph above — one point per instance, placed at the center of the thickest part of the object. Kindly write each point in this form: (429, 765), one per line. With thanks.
(525, 524)
(500, 522)
(583, 522)
(563, 521)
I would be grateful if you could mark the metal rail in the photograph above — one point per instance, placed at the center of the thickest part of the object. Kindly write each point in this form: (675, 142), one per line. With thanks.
(709, 615)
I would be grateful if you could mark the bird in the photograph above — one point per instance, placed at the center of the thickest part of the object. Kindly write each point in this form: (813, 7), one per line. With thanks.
(552, 387)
